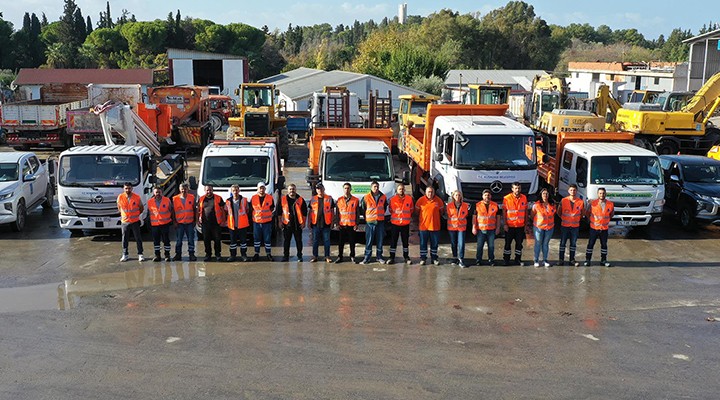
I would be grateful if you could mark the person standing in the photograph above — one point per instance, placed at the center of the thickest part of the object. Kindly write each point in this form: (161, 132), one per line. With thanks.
(599, 212)
(429, 209)
(211, 216)
(543, 216)
(237, 209)
(293, 213)
(457, 214)
(263, 207)
(401, 209)
(184, 210)
(571, 210)
(373, 205)
(348, 214)
(320, 214)
(160, 210)
(485, 227)
(514, 213)
(130, 206)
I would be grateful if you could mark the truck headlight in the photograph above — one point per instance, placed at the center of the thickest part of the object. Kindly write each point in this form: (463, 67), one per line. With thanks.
(658, 205)
(5, 196)
(67, 210)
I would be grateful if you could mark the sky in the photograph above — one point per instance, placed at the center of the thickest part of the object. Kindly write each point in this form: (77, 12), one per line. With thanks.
(651, 18)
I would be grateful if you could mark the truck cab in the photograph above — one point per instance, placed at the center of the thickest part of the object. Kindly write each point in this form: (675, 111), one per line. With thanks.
(25, 183)
(241, 162)
(474, 153)
(90, 178)
(631, 176)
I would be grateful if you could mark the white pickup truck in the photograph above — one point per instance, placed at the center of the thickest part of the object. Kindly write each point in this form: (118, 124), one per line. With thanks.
(25, 183)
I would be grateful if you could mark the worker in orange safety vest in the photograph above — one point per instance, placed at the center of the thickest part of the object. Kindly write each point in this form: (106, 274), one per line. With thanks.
(571, 210)
(184, 212)
(515, 215)
(160, 212)
(238, 222)
(401, 209)
(292, 215)
(348, 213)
(211, 216)
(263, 208)
(485, 226)
(130, 207)
(599, 213)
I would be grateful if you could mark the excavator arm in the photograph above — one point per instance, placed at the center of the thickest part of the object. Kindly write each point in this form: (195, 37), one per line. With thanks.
(705, 101)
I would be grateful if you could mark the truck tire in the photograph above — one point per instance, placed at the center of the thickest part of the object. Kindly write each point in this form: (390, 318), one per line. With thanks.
(20, 218)
(284, 143)
(49, 195)
(216, 122)
(666, 146)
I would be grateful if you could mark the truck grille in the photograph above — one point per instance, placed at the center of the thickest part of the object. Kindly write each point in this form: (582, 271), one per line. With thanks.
(472, 192)
(257, 125)
(87, 208)
(626, 208)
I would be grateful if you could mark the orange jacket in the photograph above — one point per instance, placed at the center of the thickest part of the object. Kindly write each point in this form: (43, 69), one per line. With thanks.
(129, 208)
(429, 213)
(516, 209)
(219, 209)
(286, 215)
(401, 210)
(374, 211)
(544, 216)
(160, 215)
(184, 212)
(327, 209)
(599, 218)
(571, 212)
(457, 217)
(262, 213)
(486, 217)
(348, 210)
(242, 219)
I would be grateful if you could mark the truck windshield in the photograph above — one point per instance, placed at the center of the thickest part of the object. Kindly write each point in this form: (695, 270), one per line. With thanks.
(549, 102)
(99, 170)
(496, 152)
(357, 166)
(700, 173)
(8, 172)
(224, 171)
(625, 170)
(257, 97)
(418, 108)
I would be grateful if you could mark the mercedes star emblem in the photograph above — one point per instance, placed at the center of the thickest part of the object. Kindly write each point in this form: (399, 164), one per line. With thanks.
(496, 187)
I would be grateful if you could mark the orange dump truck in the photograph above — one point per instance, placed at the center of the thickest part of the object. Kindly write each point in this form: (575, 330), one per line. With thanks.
(470, 148)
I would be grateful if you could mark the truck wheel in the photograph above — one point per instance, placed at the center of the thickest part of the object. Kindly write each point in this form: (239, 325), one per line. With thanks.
(20, 218)
(284, 143)
(216, 122)
(48, 203)
(76, 233)
(666, 147)
(687, 219)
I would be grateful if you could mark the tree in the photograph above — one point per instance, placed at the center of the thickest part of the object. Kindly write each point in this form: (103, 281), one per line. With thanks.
(88, 26)
(674, 49)
(6, 31)
(432, 84)
(145, 41)
(105, 20)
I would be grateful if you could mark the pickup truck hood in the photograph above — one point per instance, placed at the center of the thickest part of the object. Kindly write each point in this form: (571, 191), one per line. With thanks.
(6, 187)
(708, 189)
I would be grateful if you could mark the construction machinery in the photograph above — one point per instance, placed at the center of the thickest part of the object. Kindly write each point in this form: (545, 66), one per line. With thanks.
(487, 93)
(180, 113)
(259, 116)
(411, 113)
(688, 130)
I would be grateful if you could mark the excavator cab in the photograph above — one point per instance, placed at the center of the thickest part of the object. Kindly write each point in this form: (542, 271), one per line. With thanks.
(259, 116)
(488, 94)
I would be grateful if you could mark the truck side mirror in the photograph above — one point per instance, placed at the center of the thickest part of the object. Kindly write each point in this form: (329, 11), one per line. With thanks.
(29, 178)
(674, 178)
(581, 184)
(152, 179)
(438, 156)
(277, 92)
(237, 92)
(545, 159)
(406, 177)
(280, 183)
(193, 183)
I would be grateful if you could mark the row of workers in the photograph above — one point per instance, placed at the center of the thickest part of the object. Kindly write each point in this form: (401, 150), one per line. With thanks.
(323, 212)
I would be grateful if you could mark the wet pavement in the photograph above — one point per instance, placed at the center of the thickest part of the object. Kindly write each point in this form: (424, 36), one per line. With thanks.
(77, 323)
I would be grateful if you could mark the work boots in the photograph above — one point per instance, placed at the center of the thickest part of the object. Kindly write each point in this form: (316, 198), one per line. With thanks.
(192, 256)
(167, 256)
(157, 257)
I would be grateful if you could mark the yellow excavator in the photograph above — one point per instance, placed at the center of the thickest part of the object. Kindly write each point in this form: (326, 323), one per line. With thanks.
(688, 130)
(487, 93)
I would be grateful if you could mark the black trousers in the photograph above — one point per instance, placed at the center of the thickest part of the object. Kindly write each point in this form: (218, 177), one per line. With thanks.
(404, 233)
(288, 234)
(161, 233)
(347, 234)
(594, 236)
(238, 237)
(211, 238)
(518, 235)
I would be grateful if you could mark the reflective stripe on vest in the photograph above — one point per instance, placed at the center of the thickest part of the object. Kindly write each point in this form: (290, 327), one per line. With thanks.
(261, 212)
(374, 211)
(599, 218)
(298, 211)
(129, 209)
(242, 220)
(219, 211)
(184, 212)
(486, 216)
(457, 218)
(159, 215)
(516, 209)
(401, 210)
(571, 212)
(348, 210)
(327, 209)
(544, 216)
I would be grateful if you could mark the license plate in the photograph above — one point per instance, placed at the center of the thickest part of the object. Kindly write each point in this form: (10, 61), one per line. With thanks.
(627, 223)
(98, 219)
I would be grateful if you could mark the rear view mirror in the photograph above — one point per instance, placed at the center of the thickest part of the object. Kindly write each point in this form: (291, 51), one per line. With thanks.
(674, 178)
(581, 184)
(438, 157)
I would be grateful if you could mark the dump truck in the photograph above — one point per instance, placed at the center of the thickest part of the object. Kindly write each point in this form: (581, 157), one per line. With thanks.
(259, 117)
(471, 148)
(179, 113)
(688, 130)
(84, 126)
(42, 123)
(632, 176)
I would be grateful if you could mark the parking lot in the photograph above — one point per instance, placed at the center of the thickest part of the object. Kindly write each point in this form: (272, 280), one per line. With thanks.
(76, 321)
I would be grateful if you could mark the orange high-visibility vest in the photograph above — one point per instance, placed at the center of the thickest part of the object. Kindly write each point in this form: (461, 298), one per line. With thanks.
(261, 212)
(327, 209)
(374, 211)
(486, 217)
(599, 219)
(298, 211)
(544, 216)
(571, 212)
(184, 212)
(129, 208)
(401, 209)
(457, 218)
(516, 210)
(348, 210)
(242, 219)
(219, 210)
(159, 215)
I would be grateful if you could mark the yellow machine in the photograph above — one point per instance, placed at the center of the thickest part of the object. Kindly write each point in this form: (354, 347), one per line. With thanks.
(669, 132)
(643, 96)
(487, 93)
(548, 93)
(259, 116)
(413, 109)
(714, 152)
